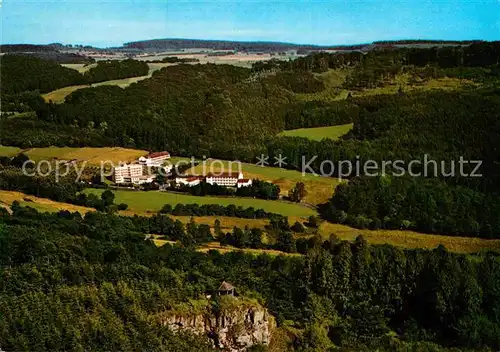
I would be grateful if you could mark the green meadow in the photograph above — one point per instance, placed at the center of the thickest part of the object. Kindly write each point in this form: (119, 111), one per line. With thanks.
(153, 201)
(319, 133)
(9, 151)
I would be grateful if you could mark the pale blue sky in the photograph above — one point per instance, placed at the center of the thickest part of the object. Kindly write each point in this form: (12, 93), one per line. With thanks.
(113, 22)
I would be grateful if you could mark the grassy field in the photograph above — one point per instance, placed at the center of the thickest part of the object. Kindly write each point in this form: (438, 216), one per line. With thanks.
(41, 204)
(410, 239)
(80, 67)
(319, 133)
(155, 66)
(122, 83)
(402, 239)
(59, 95)
(319, 189)
(93, 156)
(153, 201)
(9, 151)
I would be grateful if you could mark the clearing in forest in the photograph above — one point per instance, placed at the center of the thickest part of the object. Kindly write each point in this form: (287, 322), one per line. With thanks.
(319, 133)
(9, 151)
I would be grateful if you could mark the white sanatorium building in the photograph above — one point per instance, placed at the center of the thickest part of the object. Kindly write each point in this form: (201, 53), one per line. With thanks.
(225, 179)
(228, 179)
(134, 173)
(131, 173)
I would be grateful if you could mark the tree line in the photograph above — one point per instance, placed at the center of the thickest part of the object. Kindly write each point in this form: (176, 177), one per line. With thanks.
(230, 210)
(421, 204)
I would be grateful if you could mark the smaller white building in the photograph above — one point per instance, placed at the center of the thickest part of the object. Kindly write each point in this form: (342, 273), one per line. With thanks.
(154, 159)
(143, 179)
(189, 181)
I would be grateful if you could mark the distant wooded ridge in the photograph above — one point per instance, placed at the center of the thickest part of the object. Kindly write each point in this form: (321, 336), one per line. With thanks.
(429, 41)
(179, 44)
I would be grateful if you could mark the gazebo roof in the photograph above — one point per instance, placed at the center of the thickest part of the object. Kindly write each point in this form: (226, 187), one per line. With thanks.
(225, 286)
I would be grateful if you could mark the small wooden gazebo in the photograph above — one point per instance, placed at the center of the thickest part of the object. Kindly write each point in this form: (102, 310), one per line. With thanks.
(225, 289)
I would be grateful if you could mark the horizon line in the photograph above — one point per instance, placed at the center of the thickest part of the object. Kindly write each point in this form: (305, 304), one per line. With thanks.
(259, 41)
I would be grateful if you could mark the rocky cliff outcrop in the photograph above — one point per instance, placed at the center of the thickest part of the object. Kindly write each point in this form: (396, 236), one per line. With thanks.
(233, 328)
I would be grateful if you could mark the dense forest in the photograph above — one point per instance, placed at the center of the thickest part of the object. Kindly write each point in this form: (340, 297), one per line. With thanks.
(21, 73)
(95, 283)
(423, 204)
(110, 70)
(438, 130)
(25, 75)
(181, 108)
